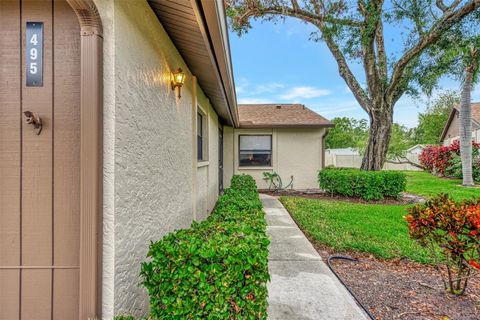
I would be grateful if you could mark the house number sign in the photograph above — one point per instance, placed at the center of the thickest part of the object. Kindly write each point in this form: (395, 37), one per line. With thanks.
(34, 54)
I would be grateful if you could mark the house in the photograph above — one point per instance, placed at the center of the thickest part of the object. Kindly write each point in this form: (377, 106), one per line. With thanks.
(415, 150)
(119, 124)
(284, 138)
(413, 153)
(451, 130)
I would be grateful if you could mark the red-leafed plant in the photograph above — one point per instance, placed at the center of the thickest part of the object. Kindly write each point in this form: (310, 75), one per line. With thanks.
(437, 159)
(451, 230)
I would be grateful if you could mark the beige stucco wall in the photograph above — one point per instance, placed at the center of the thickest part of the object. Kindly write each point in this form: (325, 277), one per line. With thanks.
(295, 152)
(152, 184)
(453, 132)
(207, 170)
(475, 137)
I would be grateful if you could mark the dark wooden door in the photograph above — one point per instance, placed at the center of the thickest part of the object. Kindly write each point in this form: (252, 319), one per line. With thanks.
(39, 174)
(220, 161)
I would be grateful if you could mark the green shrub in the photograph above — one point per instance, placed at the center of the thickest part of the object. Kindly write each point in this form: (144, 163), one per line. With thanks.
(217, 269)
(450, 230)
(454, 166)
(367, 185)
(127, 317)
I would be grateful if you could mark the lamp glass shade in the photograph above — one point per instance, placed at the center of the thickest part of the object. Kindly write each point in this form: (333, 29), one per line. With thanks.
(178, 77)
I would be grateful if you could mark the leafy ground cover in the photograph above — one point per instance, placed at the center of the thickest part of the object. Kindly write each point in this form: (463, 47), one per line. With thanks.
(217, 269)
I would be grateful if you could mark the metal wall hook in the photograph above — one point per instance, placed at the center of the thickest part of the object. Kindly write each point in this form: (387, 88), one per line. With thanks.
(33, 120)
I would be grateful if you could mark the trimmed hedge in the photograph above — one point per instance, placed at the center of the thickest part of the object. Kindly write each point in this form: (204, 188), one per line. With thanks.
(217, 269)
(367, 185)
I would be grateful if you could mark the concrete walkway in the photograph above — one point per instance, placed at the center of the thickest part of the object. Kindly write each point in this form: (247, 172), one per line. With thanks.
(302, 286)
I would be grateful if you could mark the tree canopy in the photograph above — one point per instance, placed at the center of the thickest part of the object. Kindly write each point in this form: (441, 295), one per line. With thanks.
(432, 121)
(347, 133)
(353, 133)
(402, 139)
(353, 31)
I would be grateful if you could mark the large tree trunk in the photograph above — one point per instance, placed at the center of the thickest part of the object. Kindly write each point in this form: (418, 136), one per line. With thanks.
(466, 129)
(378, 139)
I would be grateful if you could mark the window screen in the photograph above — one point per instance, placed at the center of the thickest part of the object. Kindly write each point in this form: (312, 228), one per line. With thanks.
(255, 151)
(199, 136)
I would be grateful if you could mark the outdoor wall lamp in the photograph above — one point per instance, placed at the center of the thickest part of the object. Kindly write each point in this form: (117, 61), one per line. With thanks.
(178, 79)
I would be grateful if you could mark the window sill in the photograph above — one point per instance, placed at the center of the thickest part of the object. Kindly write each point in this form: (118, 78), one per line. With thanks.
(254, 168)
(202, 163)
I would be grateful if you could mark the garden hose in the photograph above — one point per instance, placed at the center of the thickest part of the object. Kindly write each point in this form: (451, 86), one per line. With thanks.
(338, 257)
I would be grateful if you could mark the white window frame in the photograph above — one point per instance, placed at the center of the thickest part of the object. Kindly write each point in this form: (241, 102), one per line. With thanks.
(204, 115)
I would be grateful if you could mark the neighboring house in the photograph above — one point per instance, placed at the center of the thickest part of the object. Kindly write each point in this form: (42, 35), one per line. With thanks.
(414, 152)
(285, 138)
(122, 158)
(451, 131)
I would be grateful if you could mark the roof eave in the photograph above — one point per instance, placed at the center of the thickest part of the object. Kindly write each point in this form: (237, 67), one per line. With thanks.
(211, 14)
(289, 126)
(447, 125)
(450, 119)
(207, 55)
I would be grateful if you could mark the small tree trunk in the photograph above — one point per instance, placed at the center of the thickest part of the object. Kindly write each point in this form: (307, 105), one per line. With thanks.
(466, 129)
(378, 140)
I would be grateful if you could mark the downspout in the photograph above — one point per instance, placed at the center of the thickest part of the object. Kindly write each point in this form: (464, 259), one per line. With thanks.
(194, 147)
(91, 157)
(323, 148)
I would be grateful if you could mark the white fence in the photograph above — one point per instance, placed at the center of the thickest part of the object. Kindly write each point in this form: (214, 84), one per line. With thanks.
(355, 161)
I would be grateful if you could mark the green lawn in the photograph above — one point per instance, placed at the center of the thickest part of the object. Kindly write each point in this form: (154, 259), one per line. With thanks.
(372, 228)
(425, 184)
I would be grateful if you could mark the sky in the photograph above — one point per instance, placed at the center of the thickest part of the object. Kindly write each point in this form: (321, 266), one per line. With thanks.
(277, 63)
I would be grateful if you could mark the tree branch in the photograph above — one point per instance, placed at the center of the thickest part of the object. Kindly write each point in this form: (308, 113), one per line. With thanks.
(319, 21)
(308, 16)
(381, 53)
(454, 4)
(316, 6)
(404, 160)
(372, 18)
(441, 5)
(416, 19)
(445, 23)
(295, 6)
(411, 14)
(347, 74)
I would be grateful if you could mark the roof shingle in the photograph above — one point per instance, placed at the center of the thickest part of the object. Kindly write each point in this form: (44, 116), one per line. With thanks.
(279, 116)
(475, 118)
(476, 111)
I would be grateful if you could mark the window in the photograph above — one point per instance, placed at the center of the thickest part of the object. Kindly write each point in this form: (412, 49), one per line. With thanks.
(200, 155)
(255, 151)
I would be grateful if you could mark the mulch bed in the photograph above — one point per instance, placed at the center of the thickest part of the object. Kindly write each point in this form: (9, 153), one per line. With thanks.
(313, 194)
(402, 289)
